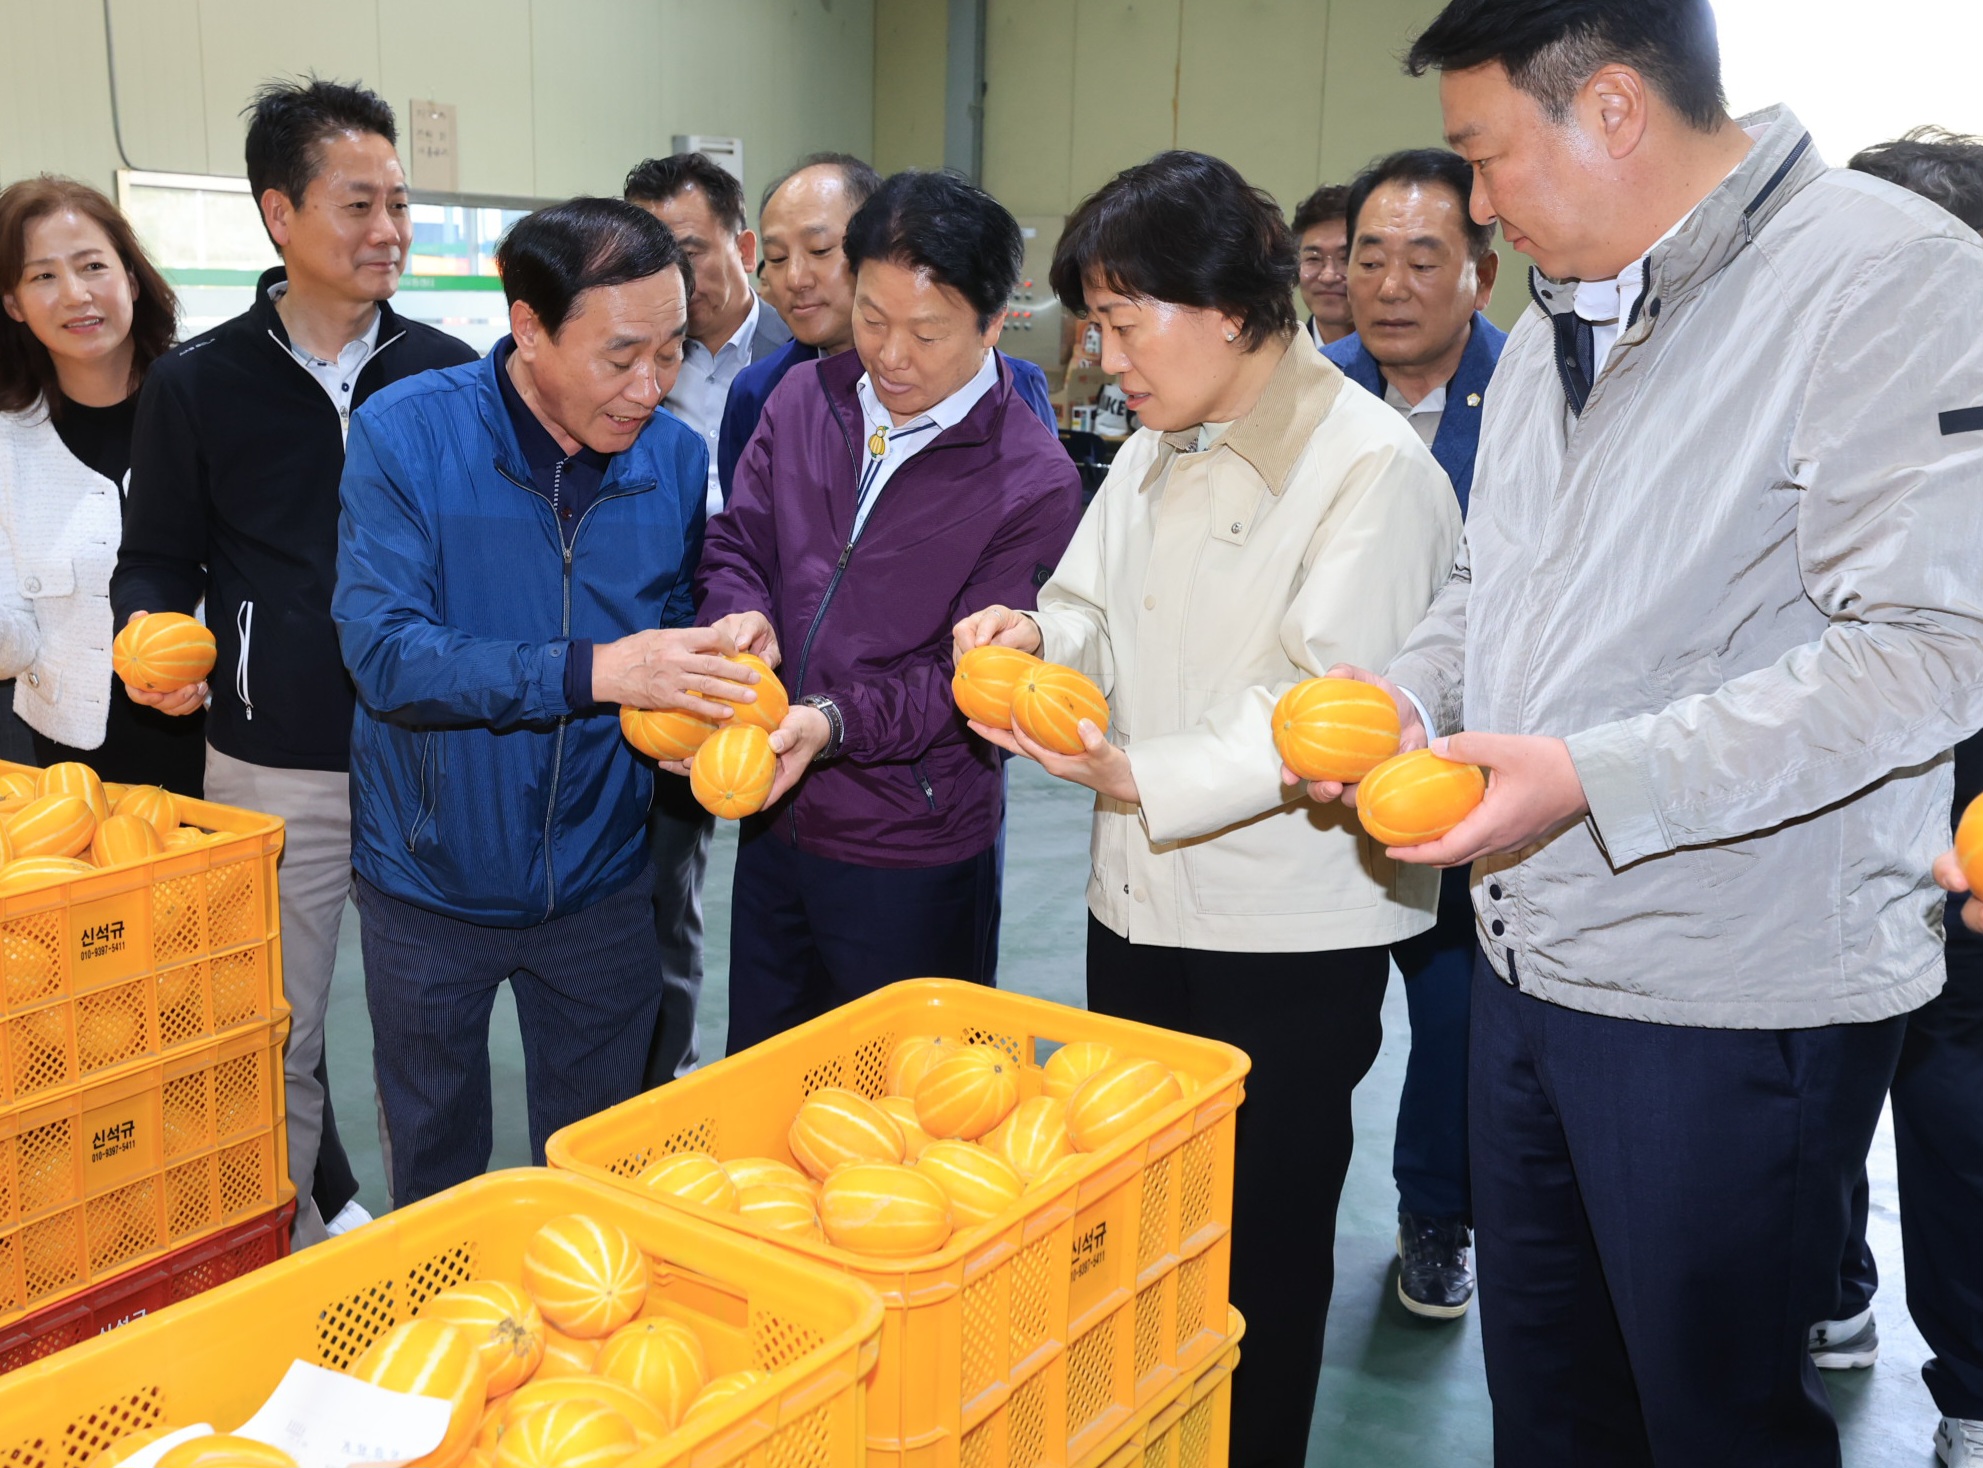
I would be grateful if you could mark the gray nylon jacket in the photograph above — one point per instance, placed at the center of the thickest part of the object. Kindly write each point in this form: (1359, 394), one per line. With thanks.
(1746, 585)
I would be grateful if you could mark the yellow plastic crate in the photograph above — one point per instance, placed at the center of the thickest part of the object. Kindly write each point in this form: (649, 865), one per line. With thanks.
(137, 962)
(216, 1357)
(121, 1172)
(1078, 1310)
(1188, 1426)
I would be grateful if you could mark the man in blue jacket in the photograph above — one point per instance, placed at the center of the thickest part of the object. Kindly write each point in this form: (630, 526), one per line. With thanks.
(1420, 274)
(515, 558)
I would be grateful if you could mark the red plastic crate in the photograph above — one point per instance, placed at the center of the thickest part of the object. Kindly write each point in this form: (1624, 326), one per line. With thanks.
(139, 1292)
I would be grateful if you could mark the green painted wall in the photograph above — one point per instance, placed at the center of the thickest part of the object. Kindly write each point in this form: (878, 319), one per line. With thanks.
(554, 97)
(911, 45)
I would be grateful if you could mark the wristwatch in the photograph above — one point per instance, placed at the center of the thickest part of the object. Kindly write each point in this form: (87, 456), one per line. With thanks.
(835, 723)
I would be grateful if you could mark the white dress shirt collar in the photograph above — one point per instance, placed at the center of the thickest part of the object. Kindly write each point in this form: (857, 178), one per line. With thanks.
(900, 443)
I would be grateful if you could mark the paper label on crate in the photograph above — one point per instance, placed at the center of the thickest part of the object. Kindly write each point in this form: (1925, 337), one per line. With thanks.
(150, 1453)
(324, 1419)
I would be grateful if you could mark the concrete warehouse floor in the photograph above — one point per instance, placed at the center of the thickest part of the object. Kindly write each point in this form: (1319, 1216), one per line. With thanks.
(1396, 1392)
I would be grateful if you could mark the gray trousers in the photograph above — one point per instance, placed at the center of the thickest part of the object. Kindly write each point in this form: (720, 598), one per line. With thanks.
(678, 836)
(314, 879)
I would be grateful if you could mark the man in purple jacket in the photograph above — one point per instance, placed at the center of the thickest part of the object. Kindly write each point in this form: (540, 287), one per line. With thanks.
(888, 491)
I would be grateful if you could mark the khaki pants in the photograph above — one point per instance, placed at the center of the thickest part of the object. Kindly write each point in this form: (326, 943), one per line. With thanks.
(315, 879)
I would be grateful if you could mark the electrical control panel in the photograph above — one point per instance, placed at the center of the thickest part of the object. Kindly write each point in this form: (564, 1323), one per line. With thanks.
(1032, 320)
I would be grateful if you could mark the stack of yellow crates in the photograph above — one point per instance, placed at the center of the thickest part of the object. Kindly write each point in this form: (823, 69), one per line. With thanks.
(141, 1104)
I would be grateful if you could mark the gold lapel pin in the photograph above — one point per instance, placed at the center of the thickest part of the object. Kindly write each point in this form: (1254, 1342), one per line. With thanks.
(1473, 400)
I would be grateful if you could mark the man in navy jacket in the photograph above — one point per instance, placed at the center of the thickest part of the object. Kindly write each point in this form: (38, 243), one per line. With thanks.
(1420, 273)
(515, 559)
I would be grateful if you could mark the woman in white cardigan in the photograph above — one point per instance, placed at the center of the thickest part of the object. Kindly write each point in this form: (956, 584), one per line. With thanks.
(85, 314)
(1267, 521)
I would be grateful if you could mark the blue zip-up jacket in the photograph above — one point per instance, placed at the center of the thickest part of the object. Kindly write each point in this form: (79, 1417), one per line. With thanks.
(477, 791)
(1459, 427)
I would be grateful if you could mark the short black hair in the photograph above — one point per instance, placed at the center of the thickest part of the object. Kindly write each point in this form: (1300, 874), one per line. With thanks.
(937, 222)
(289, 121)
(1943, 167)
(1550, 48)
(1423, 166)
(1330, 202)
(858, 177)
(551, 258)
(1184, 228)
(656, 180)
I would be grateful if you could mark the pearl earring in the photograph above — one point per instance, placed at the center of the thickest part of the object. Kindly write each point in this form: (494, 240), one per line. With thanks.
(1232, 336)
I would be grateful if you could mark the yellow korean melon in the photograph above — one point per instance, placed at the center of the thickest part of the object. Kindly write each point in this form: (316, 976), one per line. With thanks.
(769, 711)
(26, 873)
(911, 1060)
(183, 838)
(157, 808)
(1035, 1136)
(1417, 797)
(648, 1423)
(225, 1450)
(506, 1327)
(565, 1355)
(733, 771)
(1335, 728)
(969, 1093)
(1070, 1065)
(587, 1277)
(18, 784)
(660, 1358)
(884, 1209)
(70, 777)
(51, 825)
(162, 652)
(985, 680)
(720, 1392)
(428, 1358)
(570, 1434)
(981, 1186)
(835, 1126)
(902, 1111)
(121, 840)
(748, 1172)
(1969, 845)
(1065, 1170)
(694, 1177)
(782, 1207)
(668, 734)
(1113, 1101)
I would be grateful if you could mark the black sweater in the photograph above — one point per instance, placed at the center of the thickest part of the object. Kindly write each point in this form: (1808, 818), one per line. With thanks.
(234, 497)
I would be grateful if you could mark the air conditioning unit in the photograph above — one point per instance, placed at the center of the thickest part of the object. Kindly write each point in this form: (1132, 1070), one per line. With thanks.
(728, 153)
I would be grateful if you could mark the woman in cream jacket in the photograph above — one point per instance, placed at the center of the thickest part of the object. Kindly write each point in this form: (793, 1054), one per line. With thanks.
(82, 314)
(1267, 522)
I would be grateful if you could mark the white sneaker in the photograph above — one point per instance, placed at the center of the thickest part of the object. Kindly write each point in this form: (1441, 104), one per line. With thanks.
(350, 1216)
(1848, 1345)
(1959, 1442)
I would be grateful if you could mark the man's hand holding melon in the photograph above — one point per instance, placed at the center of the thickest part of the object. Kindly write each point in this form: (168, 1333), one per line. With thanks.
(1532, 788)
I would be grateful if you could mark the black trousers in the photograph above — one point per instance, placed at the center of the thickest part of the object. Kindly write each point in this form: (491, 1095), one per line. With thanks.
(1659, 1212)
(808, 933)
(1311, 1023)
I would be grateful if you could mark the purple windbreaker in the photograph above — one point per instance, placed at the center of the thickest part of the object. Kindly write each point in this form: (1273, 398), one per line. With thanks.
(978, 517)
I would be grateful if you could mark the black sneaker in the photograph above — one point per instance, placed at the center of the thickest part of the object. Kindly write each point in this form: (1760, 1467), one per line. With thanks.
(1435, 1279)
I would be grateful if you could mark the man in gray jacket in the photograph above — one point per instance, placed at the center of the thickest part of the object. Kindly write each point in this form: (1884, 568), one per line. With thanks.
(1716, 623)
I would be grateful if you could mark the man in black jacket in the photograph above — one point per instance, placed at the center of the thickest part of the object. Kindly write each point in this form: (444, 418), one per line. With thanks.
(235, 465)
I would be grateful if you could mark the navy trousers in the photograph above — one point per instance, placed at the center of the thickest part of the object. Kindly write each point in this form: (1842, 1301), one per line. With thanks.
(808, 933)
(1659, 1212)
(1429, 1157)
(587, 989)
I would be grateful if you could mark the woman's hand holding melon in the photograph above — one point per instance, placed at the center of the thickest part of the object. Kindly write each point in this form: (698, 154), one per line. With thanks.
(178, 702)
(671, 668)
(1100, 766)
